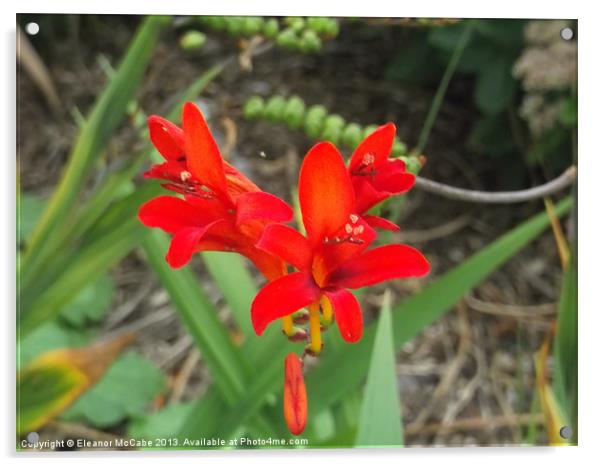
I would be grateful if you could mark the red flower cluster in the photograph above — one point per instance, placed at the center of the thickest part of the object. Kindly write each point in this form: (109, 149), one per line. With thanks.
(223, 210)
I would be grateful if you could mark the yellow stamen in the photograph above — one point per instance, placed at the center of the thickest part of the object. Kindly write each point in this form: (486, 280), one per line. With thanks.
(287, 325)
(326, 310)
(314, 328)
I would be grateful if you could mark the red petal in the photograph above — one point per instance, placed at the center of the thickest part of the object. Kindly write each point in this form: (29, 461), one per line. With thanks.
(325, 192)
(295, 395)
(288, 244)
(380, 222)
(282, 297)
(167, 138)
(378, 144)
(237, 182)
(183, 244)
(365, 195)
(271, 267)
(342, 246)
(202, 154)
(260, 205)
(173, 214)
(393, 178)
(348, 314)
(170, 170)
(380, 264)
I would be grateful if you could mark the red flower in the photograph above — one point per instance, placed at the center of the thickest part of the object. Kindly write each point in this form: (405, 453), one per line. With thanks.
(222, 209)
(375, 177)
(332, 257)
(295, 395)
(178, 168)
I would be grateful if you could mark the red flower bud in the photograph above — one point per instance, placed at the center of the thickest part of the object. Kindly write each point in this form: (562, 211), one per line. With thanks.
(295, 396)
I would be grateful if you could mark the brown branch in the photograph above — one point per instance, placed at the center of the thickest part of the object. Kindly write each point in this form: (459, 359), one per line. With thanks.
(502, 197)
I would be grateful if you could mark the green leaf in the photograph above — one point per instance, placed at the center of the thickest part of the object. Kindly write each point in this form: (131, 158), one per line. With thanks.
(161, 424)
(110, 229)
(29, 210)
(44, 391)
(91, 304)
(565, 345)
(85, 266)
(380, 418)
(125, 391)
(495, 86)
(55, 379)
(199, 316)
(235, 282)
(107, 113)
(50, 336)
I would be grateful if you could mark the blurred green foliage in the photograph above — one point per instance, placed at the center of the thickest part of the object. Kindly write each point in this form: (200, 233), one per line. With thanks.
(486, 69)
(126, 390)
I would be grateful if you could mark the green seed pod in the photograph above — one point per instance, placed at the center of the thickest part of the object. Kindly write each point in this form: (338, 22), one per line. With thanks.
(331, 28)
(399, 148)
(296, 23)
(314, 120)
(192, 40)
(369, 130)
(253, 108)
(271, 28)
(287, 39)
(252, 25)
(413, 165)
(234, 25)
(217, 23)
(352, 135)
(294, 112)
(334, 121)
(316, 24)
(310, 41)
(274, 109)
(332, 134)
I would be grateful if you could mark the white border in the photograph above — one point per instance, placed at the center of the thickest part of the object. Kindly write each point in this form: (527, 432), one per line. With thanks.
(590, 169)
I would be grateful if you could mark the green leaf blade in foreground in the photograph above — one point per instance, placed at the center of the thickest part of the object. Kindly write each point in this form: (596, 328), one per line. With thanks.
(565, 345)
(341, 371)
(380, 418)
(106, 226)
(107, 113)
(200, 317)
(235, 283)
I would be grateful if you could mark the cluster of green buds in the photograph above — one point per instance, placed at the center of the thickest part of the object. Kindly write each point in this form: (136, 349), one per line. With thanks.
(315, 121)
(306, 34)
(293, 33)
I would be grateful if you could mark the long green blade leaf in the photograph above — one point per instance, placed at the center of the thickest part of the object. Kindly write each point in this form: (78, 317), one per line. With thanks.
(565, 345)
(380, 418)
(106, 115)
(200, 317)
(236, 284)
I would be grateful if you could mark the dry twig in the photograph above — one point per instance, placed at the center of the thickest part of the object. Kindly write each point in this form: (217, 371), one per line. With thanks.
(502, 197)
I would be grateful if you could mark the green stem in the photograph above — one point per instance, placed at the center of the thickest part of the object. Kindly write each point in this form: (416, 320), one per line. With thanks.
(442, 89)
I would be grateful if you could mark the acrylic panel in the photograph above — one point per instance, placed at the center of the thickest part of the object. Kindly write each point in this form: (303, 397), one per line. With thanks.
(242, 232)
